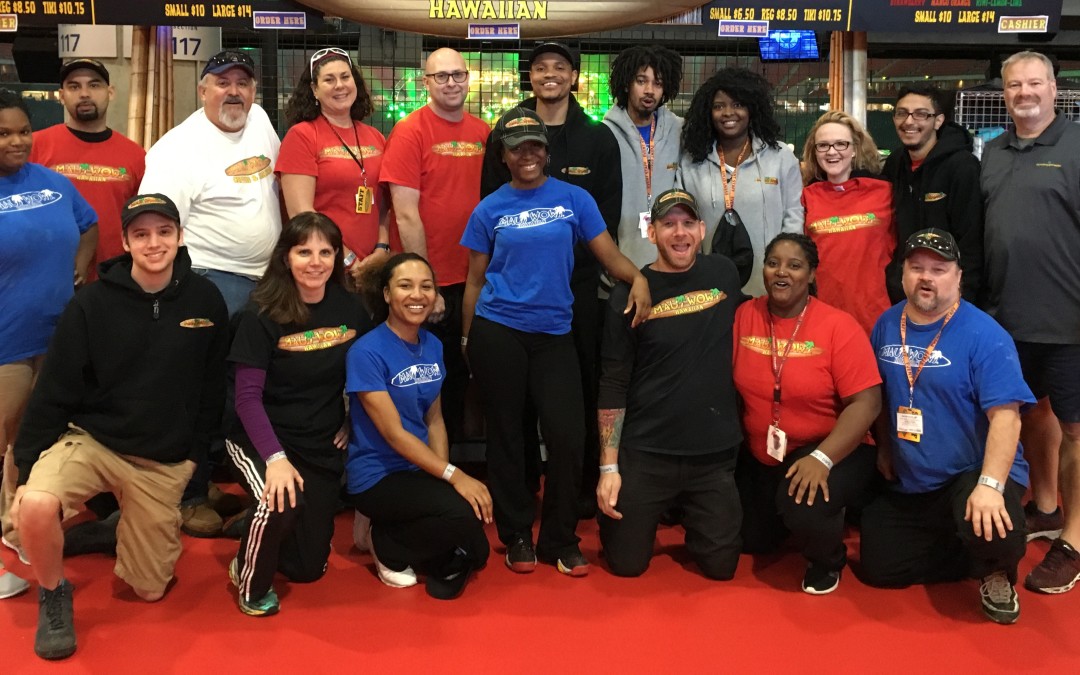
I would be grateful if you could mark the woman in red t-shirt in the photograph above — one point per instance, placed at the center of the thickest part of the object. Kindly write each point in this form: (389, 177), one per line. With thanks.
(810, 390)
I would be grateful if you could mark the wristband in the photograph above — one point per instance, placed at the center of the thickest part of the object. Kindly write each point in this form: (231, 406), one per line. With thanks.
(992, 483)
(280, 454)
(609, 468)
(448, 472)
(464, 340)
(823, 458)
(385, 247)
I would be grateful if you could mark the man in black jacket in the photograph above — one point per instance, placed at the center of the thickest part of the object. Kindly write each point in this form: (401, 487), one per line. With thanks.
(133, 385)
(935, 181)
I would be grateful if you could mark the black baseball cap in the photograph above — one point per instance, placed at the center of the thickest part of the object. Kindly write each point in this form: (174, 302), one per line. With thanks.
(155, 203)
(89, 64)
(669, 199)
(566, 52)
(518, 125)
(931, 239)
(230, 58)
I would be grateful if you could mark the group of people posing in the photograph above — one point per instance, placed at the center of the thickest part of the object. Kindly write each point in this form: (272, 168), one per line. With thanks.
(704, 329)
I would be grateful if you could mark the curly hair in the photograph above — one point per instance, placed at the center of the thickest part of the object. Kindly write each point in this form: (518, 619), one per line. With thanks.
(10, 99)
(375, 279)
(809, 249)
(746, 87)
(866, 156)
(666, 65)
(303, 107)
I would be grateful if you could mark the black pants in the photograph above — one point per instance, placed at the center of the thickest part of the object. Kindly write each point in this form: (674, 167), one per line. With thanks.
(923, 538)
(703, 485)
(511, 366)
(457, 374)
(770, 515)
(295, 542)
(419, 521)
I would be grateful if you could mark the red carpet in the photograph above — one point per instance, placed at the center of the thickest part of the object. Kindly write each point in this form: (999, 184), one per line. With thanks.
(671, 619)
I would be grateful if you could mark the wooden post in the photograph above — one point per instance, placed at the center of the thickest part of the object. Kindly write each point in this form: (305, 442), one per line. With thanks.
(137, 95)
(151, 90)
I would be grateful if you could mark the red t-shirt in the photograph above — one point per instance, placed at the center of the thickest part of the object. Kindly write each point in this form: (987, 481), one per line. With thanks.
(442, 160)
(313, 149)
(830, 360)
(106, 174)
(852, 225)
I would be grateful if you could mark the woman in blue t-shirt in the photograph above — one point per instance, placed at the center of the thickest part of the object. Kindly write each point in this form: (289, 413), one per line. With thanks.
(516, 315)
(427, 515)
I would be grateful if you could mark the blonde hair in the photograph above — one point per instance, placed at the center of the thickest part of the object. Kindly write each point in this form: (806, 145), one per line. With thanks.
(866, 152)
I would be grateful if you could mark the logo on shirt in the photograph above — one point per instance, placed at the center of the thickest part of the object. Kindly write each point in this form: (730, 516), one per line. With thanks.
(250, 170)
(687, 303)
(855, 221)
(534, 217)
(196, 323)
(24, 201)
(763, 345)
(458, 149)
(894, 354)
(769, 180)
(420, 373)
(338, 152)
(315, 339)
(933, 196)
(93, 173)
(577, 170)
(1049, 165)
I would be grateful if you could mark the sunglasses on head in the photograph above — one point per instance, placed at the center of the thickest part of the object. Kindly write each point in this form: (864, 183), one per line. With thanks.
(326, 53)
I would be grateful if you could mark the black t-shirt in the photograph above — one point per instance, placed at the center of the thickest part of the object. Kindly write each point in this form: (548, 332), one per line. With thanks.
(305, 370)
(673, 372)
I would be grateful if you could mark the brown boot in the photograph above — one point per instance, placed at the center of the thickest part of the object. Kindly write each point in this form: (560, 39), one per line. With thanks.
(200, 521)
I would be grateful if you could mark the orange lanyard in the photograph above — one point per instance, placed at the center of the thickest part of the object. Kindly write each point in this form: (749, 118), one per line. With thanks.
(725, 181)
(911, 378)
(778, 366)
(647, 159)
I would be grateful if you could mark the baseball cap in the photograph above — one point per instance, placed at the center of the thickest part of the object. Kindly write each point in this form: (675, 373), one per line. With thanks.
(931, 239)
(155, 203)
(230, 58)
(669, 199)
(89, 64)
(566, 52)
(518, 125)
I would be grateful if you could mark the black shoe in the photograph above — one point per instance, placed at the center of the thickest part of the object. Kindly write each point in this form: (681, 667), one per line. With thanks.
(94, 536)
(520, 555)
(1000, 603)
(570, 562)
(820, 580)
(450, 582)
(55, 637)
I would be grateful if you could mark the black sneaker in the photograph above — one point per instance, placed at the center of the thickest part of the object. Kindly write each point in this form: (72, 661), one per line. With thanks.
(93, 536)
(55, 637)
(450, 582)
(1000, 602)
(570, 562)
(520, 555)
(820, 580)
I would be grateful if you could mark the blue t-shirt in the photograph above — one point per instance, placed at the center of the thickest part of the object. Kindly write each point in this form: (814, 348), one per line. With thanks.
(974, 367)
(412, 375)
(530, 236)
(41, 218)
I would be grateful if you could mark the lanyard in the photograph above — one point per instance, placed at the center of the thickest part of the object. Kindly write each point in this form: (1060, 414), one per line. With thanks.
(778, 366)
(359, 160)
(647, 159)
(926, 354)
(725, 181)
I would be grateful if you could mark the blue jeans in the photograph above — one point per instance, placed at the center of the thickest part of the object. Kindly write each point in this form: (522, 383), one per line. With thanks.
(235, 288)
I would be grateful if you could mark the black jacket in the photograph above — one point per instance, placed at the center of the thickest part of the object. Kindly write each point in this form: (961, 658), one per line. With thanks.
(143, 373)
(943, 193)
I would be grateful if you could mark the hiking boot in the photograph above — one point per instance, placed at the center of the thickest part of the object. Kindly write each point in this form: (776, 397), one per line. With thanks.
(1041, 525)
(234, 525)
(226, 504)
(268, 605)
(819, 580)
(199, 520)
(1058, 572)
(520, 555)
(11, 584)
(55, 638)
(361, 532)
(999, 600)
(570, 562)
(93, 536)
(392, 578)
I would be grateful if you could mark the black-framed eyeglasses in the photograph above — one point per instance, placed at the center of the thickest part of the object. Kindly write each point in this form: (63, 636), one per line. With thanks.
(839, 146)
(444, 77)
(920, 115)
(326, 53)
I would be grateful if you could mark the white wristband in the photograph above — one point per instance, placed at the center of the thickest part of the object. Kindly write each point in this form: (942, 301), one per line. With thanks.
(823, 458)
(609, 468)
(280, 454)
(991, 483)
(448, 472)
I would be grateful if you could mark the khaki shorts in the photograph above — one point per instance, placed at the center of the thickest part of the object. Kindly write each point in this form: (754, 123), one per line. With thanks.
(16, 382)
(77, 467)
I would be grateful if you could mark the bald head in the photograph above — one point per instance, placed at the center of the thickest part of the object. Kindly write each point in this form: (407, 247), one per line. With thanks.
(447, 98)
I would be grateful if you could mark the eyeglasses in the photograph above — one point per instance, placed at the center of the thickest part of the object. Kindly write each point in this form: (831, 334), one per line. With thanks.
(326, 53)
(442, 77)
(920, 115)
(839, 146)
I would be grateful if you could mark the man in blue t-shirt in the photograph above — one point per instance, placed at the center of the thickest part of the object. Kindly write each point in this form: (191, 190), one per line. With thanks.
(948, 438)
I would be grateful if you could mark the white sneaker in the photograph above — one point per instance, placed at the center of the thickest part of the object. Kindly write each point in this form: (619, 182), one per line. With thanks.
(11, 584)
(18, 549)
(402, 579)
(361, 532)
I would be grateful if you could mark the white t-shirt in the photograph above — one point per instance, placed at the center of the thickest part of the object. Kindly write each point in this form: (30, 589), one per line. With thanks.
(225, 188)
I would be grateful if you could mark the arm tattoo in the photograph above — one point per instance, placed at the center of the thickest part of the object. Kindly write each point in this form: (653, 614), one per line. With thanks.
(611, 424)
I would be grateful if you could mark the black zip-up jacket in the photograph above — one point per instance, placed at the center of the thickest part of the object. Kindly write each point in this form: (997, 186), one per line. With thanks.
(943, 193)
(143, 373)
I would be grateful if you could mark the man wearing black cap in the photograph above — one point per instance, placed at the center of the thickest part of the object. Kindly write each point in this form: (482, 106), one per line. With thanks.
(948, 438)
(133, 385)
(669, 422)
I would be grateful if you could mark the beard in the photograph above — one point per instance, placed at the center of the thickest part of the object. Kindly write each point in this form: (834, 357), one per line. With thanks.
(231, 118)
(88, 115)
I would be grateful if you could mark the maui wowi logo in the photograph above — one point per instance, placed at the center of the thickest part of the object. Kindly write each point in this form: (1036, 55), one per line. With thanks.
(24, 201)
(894, 354)
(534, 217)
(420, 373)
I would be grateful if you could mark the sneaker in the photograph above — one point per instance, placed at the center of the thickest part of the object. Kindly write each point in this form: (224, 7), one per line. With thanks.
(93, 536)
(1058, 572)
(450, 584)
(1042, 525)
(361, 532)
(520, 556)
(11, 584)
(268, 605)
(570, 562)
(820, 580)
(18, 549)
(392, 578)
(199, 520)
(55, 638)
(1000, 602)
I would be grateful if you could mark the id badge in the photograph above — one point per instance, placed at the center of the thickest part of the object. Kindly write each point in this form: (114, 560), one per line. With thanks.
(365, 199)
(776, 443)
(643, 223)
(909, 424)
